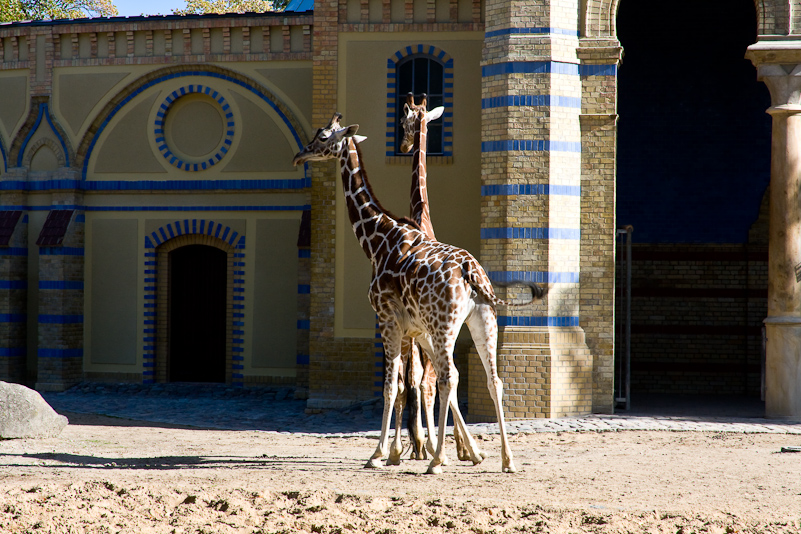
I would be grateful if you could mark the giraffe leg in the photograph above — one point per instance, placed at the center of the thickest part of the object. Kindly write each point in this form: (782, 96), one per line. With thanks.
(414, 379)
(396, 448)
(391, 339)
(447, 381)
(470, 452)
(483, 328)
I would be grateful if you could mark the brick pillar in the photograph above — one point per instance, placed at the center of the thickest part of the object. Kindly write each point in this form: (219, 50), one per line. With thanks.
(599, 61)
(14, 279)
(61, 297)
(531, 207)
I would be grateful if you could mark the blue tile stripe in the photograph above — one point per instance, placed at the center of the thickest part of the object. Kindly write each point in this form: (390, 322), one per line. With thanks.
(158, 185)
(530, 233)
(530, 31)
(267, 98)
(302, 359)
(508, 101)
(304, 253)
(304, 324)
(504, 320)
(161, 208)
(44, 112)
(13, 251)
(304, 289)
(13, 318)
(60, 319)
(60, 353)
(540, 277)
(530, 145)
(13, 352)
(191, 227)
(547, 67)
(530, 189)
(60, 251)
(3, 154)
(13, 284)
(60, 284)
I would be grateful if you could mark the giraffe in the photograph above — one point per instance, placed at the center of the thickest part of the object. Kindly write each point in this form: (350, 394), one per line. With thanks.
(415, 121)
(420, 288)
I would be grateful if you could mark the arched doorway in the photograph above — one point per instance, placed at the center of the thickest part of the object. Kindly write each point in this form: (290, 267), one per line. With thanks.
(197, 317)
(693, 166)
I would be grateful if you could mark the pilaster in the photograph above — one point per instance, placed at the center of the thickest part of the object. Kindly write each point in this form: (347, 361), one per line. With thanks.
(531, 206)
(61, 290)
(13, 277)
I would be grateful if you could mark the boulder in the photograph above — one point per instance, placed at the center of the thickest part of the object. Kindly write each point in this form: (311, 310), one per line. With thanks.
(25, 414)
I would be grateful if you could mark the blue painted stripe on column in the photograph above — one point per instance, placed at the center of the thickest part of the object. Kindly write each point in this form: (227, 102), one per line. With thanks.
(60, 353)
(13, 317)
(60, 284)
(13, 284)
(60, 251)
(531, 31)
(304, 253)
(304, 324)
(60, 319)
(304, 289)
(530, 67)
(530, 189)
(531, 145)
(13, 352)
(540, 277)
(530, 233)
(504, 320)
(13, 251)
(302, 359)
(530, 101)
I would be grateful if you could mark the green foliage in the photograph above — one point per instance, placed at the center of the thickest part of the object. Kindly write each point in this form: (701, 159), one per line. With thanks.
(16, 10)
(198, 7)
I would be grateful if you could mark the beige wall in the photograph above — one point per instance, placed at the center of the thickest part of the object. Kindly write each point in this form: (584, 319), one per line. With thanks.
(454, 189)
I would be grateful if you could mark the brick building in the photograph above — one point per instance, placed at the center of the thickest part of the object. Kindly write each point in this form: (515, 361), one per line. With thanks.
(154, 229)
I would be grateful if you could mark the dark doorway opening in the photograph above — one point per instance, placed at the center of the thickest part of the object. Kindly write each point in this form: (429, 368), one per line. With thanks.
(693, 168)
(198, 275)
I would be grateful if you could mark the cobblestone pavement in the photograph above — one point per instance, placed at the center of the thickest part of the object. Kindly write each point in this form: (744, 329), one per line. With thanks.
(215, 406)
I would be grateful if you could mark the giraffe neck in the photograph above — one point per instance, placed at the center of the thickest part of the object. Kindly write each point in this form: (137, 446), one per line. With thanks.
(418, 201)
(366, 214)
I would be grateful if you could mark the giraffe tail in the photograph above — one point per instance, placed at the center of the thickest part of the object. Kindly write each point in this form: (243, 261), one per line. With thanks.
(537, 292)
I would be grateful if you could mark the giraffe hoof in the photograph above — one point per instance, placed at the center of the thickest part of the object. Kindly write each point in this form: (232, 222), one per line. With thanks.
(510, 469)
(393, 461)
(480, 457)
(373, 463)
(434, 470)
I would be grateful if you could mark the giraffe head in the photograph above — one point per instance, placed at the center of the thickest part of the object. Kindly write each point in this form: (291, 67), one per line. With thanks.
(410, 114)
(328, 142)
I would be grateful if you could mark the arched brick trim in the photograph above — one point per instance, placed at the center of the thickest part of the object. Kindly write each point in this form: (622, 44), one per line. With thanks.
(158, 245)
(86, 145)
(45, 141)
(24, 152)
(447, 93)
(599, 18)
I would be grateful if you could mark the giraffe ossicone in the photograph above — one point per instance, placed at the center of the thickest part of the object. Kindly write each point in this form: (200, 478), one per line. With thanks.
(420, 288)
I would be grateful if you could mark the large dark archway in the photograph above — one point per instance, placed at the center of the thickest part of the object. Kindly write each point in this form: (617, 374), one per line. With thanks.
(197, 299)
(693, 167)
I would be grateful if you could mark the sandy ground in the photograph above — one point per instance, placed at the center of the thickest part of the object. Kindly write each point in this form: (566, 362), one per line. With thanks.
(112, 475)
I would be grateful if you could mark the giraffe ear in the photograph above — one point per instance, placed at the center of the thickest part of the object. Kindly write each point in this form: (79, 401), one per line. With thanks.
(434, 114)
(358, 138)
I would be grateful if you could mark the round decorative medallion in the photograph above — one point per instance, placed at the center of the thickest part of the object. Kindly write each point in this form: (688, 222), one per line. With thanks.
(194, 128)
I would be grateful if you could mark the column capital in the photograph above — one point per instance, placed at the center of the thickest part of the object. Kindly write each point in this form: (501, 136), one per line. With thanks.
(778, 64)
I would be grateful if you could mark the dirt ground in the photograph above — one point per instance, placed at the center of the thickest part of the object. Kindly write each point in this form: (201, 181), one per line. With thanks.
(111, 475)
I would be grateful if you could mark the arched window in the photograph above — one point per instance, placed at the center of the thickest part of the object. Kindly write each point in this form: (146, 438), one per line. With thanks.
(420, 69)
(420, 74)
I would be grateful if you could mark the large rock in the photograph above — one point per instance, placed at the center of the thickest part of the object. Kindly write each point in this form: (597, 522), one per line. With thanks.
(25, 414)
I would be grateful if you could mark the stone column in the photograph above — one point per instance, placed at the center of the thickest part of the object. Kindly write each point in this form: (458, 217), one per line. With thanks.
(779, 66)
(531, 207)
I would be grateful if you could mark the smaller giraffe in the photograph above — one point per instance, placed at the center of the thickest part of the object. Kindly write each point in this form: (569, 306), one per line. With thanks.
(414, 122)
(420, 288)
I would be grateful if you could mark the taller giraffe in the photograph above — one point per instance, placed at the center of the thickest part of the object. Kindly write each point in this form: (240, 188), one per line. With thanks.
(420, 288)
(414, 122)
